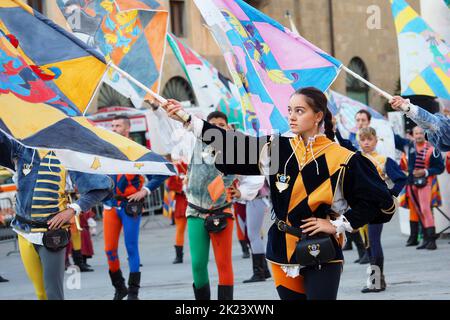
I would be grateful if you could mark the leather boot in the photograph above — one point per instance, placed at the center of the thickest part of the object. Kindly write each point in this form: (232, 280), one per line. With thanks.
(85, 261)
(414, 232)
(225, 293)
(78, 261)
(267, 274)
(431, 239)
(376, 286)
(203, 293)
(425, 239)
(179, 254)
(118, 283)
(134, 281)
(3, 279)
(245, 249)
(258, 268)
(356, 237)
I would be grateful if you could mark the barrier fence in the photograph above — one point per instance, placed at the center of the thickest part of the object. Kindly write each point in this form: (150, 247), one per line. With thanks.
(6, 216)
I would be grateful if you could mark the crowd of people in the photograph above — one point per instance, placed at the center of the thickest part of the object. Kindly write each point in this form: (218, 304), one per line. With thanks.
(322, 192)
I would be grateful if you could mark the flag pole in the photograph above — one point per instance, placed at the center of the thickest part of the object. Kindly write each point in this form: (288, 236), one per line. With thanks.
(357, 76)
(182, 114)
(291, 21)
(138, 83)
(371, 85)
(374, 87)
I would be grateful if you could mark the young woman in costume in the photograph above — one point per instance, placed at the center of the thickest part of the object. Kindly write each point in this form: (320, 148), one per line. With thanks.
(313, 183)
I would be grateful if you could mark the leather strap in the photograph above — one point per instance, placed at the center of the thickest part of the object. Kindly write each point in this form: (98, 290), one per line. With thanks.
(283, 227)
(32, 223)
(209, 211)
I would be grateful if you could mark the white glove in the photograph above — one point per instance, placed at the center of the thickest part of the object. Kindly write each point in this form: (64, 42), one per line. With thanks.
(91, 223)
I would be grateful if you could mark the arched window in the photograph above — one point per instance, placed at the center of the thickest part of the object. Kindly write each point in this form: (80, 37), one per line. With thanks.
(36, 5)
(355, 88)
(179, 89)
(177, 14)
(108, 97)
(258, 4)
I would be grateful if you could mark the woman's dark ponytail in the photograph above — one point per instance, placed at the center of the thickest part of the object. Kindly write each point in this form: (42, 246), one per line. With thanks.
(328, 124)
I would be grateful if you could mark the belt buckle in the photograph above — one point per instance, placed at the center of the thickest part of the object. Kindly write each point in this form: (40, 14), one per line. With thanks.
(281, 225)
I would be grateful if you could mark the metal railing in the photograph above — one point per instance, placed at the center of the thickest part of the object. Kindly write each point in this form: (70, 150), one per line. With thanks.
(153, 203)
(7, 234)
(447, 217)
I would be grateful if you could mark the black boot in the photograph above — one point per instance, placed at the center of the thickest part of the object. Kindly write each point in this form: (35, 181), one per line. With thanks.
(203, 293)
(118, 283)
(348, 244)
(431, 238)
(179, 254)
(267, 274)
(376, 285)
(225, 293)
(380, 263)
(356, 237)
(3, 279)
(245, 249)
(258, 268)
(425, 239)
(134, 282)
(414, 232)
(78, 261)
(85, 261)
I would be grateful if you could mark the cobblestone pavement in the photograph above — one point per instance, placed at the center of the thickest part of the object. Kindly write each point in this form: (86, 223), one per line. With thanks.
(410, 274)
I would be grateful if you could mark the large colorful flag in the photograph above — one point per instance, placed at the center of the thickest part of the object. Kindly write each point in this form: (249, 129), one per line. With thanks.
(212, 90)
(424, 55)
(60, 60)
(130, 33)
(47, 78)
(344, 110)
(267, 61)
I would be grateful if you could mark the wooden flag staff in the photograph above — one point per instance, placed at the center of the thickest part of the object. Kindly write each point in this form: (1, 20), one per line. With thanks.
(182, 114)
(371, 85)
(357, 76)
(185, 116)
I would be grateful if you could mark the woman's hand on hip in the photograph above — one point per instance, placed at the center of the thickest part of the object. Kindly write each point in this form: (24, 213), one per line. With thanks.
(313, 226)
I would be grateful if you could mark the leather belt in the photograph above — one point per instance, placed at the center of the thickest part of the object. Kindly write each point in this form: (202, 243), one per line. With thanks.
(120, 198)
(284, 227)
(125, 199)
(209, 211)
(38, 224)
(32, 223)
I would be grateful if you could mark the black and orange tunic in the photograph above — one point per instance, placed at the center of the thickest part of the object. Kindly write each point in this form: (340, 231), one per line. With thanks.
(319, 176)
